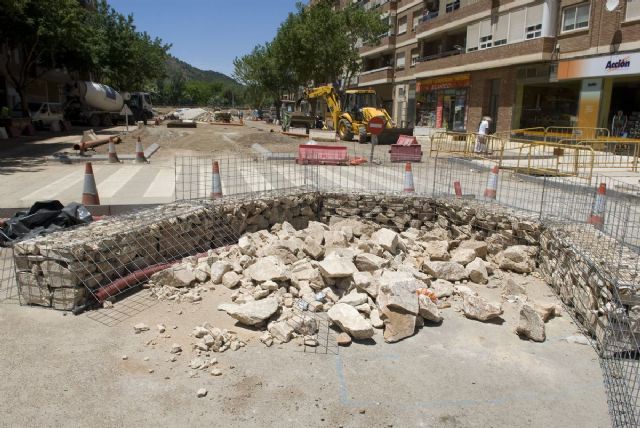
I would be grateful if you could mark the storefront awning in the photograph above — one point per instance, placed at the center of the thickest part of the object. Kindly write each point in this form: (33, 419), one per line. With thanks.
(448, 82)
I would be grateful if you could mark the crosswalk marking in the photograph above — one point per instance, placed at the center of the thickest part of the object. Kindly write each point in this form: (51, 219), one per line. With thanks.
(50, 190)
(162, 185)
(255, 180)
(117, 180)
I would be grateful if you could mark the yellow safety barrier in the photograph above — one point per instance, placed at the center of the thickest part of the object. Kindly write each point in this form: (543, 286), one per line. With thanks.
(554, 159)
(615, 152)
(557, 133)
(470, 145)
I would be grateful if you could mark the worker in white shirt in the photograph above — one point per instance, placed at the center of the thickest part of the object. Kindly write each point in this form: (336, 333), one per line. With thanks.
(481, 139)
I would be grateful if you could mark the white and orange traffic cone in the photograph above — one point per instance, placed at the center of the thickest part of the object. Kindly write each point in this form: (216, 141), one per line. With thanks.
(408, 179)
(113, 156)
(89, 191)
(492, 183)
(216, 185)
(458, 188)
(140, 152)
(597, 211)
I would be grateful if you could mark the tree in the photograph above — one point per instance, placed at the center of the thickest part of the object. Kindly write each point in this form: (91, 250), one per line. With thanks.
(41, 35)
(320, 44)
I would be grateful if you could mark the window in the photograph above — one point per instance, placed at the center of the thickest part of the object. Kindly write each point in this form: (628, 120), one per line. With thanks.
(500, 30)
(485, 34)
(533, 23)
(402, 25)
(472, 37)
(451, 6)
(575, 17)
(517, 25)
(633, 10)
(400, 61)
(415, 54)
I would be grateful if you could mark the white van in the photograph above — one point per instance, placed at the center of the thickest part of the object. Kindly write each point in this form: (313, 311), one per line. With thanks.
(44, 114)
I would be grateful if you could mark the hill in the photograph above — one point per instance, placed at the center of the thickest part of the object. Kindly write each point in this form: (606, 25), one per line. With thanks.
(192, 73)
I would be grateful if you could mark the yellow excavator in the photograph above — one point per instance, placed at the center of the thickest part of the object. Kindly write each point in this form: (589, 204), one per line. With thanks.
(353, 110)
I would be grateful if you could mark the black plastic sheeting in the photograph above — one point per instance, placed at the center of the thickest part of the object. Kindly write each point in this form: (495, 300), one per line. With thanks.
(42, 218)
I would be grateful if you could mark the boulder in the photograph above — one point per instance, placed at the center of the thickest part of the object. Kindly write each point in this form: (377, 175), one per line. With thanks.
(350, 321)
(428, 309)
(313, 248)
(343, 339)
(252, 313)
(334, 238)
(398, 291)
(231, 279)
(386, 238)
(547, 310)
(246, 246)
(354, 298)
(375, 319)
(218, 269)
(477, 271)
(351, 226)
(464, 256)
(364, 281)
(269, 268)
(479, 247)
(397, 324)
(177, 277)
(337, 268)
(436, 234)
(517, 258)
(304, 271)
(369, 262)
(451, 271)
(478, 308)
(437, 250)
(531, 325)
(442, 288)
(281, 331)
(512, 288)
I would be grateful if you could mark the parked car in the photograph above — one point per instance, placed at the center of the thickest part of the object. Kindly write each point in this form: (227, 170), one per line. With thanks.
(45, 114)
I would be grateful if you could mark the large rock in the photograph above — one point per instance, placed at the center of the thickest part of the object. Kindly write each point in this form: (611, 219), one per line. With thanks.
(479, 247)
(386, 238)
(451, 271)
(428, 309)
(442, 288)
(517, 258)
(350, 321)
(369, 262)
(218, 269)
(464, 256)
(437, 250)
(398, 291)
(252, 313)
(304, 271)
(398, 325)
(351, 226)
(354, 298)
(335, 238)
(313, 248)
(478, 308)
(478, 271)
(268, 268)
(177, 277)
(337, 268)
(245, 244)
(531, 324)
(364, 281)
(281, 331)
(231, 279)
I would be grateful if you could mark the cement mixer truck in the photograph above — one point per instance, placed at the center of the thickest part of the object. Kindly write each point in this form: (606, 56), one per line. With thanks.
(96, 104)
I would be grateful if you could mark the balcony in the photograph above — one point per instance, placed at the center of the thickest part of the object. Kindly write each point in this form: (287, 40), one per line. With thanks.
(375, 77)
(384, 44)
(453, 11)
(476, 60)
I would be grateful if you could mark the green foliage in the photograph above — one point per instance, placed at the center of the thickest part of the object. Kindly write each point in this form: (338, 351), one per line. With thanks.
(314, 45)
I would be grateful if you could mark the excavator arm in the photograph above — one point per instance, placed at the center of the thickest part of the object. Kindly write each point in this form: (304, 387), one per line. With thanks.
(330, 96)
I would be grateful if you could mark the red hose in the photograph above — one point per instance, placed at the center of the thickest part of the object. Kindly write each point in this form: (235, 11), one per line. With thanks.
(125, 282)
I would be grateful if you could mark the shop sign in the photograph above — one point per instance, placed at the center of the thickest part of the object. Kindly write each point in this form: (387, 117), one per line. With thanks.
(602, 66)
(449, 82)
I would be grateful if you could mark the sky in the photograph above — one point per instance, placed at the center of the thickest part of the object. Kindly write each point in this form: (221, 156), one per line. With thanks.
(208, 34)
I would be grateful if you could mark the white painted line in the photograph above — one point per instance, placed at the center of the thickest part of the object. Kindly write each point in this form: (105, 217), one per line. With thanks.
(255, 180)
(52, 189)
(162, 185)
(117, 180)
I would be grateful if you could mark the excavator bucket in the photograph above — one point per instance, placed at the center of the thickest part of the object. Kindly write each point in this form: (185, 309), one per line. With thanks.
(390, 135)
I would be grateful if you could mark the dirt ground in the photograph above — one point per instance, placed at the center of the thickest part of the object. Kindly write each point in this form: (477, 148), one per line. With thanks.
(59, 369)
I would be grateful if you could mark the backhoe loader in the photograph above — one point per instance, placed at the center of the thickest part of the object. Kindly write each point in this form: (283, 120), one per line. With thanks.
(353, 110)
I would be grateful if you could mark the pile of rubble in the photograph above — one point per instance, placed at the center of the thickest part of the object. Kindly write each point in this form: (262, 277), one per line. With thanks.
(363, 276)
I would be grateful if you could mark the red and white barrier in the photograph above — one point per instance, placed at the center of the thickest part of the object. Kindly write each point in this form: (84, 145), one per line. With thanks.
(599, 205)
(216, 185)
(89, 190)
(492, 183)
(408, 179)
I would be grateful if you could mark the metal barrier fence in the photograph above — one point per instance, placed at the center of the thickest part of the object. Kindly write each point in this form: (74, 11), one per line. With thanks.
(556, 133)
(614, 153)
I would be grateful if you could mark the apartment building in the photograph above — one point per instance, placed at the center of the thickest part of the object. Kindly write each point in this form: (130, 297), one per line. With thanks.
(525, 63)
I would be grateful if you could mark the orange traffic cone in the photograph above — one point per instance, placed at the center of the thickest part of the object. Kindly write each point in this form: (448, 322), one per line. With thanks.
(492, 183)
(89, 192)
(113, 156)
(216, 185)
(597, 211)
(408, 178)
(140, 152)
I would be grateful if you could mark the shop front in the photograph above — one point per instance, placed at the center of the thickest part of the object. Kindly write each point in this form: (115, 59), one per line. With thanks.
(607, 84)
(442, 102)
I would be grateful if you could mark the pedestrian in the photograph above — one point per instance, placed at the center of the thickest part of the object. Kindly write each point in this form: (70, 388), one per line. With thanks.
(481, 138)
(618, 124)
